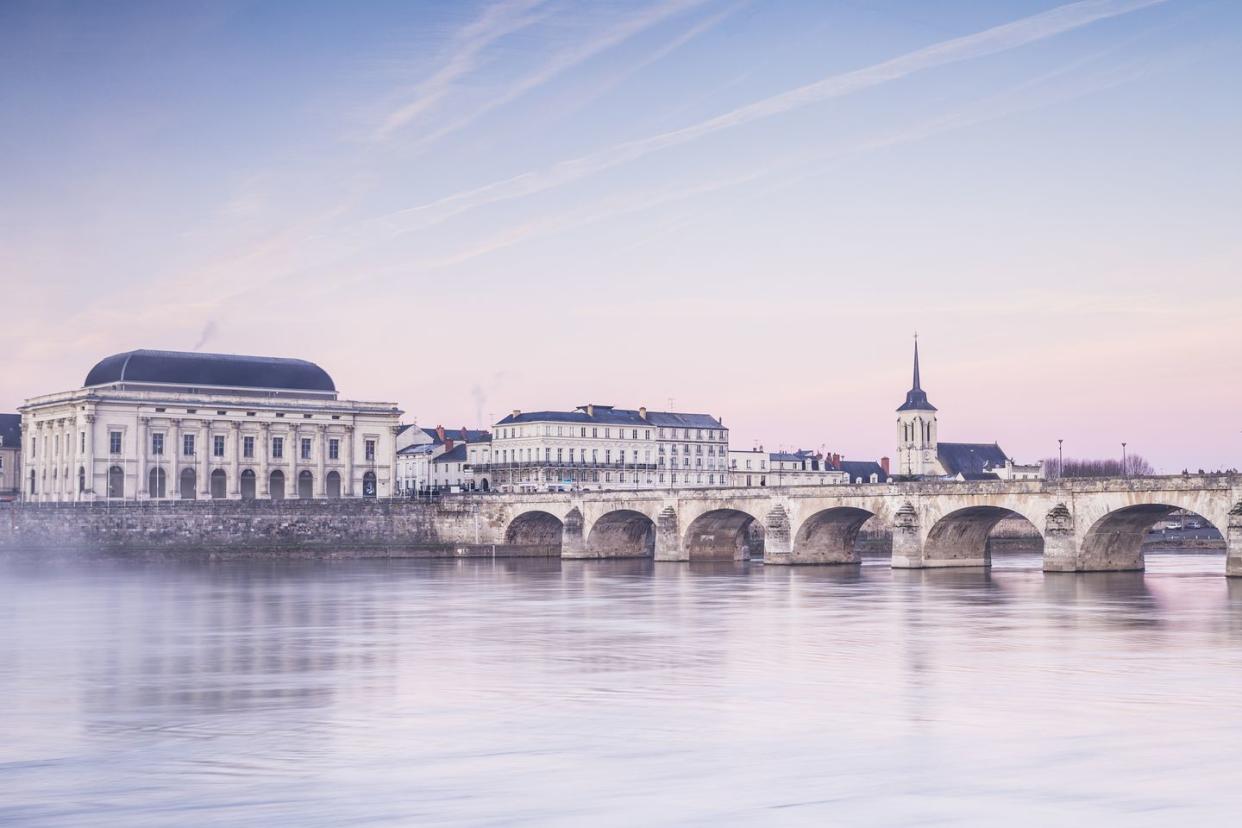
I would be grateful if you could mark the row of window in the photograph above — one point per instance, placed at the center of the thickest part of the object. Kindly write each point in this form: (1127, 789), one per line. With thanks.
(218, 446)
(514, 432)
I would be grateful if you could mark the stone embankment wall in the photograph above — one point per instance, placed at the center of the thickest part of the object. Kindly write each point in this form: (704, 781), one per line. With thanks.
(238, 529)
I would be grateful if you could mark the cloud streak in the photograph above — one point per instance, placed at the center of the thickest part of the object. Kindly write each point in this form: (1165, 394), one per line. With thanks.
(991, 41)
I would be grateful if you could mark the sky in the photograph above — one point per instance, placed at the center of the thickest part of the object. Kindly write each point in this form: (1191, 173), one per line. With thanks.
(744, 208)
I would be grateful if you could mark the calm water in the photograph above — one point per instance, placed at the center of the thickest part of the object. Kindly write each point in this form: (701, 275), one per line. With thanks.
(622, 693)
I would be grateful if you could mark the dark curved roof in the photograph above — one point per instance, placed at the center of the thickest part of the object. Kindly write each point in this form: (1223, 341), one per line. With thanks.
(970, 458)
(222, 370)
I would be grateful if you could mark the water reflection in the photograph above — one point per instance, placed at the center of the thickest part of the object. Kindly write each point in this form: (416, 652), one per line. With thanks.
(618, 692)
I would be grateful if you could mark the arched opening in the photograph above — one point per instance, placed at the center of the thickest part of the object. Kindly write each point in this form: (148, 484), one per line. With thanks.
(306, 485)
(248, 485)
(484, 485)
(1117, 540)
(368, 485)
(276, 485)
(116, 482)
(962, 537)
(622, 534)
(189, 483)
(157, 483)
(81, 480)
(724, 535)
(831, 536)
(219, 484)
(334, 484)
(539, 533)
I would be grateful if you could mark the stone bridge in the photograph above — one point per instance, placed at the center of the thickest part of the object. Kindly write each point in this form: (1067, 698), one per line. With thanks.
(1086, 525)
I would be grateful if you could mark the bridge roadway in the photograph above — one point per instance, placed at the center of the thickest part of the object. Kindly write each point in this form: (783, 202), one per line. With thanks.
(1086, 525)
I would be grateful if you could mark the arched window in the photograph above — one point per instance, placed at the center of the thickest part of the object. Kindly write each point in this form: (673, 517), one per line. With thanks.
(32, 481)
(189, 483)
(219, 484)
(306, 485)
(156, 483)
(334, 484)
(368, 484)
(276, 485)
(81, 480)
(116, 482)
(247, 484)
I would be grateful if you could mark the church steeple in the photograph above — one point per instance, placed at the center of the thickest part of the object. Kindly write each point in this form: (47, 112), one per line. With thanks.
(916, 397)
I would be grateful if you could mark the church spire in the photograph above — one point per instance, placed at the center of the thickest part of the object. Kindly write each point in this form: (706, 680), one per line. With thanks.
(916, 397)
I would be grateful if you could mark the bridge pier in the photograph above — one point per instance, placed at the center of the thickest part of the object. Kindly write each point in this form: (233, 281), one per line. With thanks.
(573, 541)
(1060, 542)
(1233, 543)
(668, 545)
(777, 539)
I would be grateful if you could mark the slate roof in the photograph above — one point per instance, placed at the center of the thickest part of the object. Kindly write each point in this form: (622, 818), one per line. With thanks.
(864, 469)
(473, 435)
(969, 458)
(456, 455)
(221, 370)
(980, 476)
(11, 430)
(610, 415)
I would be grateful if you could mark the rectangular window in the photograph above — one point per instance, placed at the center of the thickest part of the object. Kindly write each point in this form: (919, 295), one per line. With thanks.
(370, 450)
(157, 444)
(187, 445)
(83, 442)
(217, 445)
(114, 442)
(247, 447)
(334, 449)
(306, 448)
(278, 447)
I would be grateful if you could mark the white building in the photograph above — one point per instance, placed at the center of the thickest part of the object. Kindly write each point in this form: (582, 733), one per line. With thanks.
(167, 424)
(420, 469)
(803, 467)
(602, 447)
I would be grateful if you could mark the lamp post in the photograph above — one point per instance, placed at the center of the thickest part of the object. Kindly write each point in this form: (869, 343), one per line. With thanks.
(1060, 460)
(1123, 460)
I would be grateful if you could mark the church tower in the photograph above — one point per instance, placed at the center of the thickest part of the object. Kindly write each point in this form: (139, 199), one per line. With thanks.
(916, 430)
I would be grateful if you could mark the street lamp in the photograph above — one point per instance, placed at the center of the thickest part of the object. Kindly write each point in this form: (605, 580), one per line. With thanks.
(1123, 460)
(1060, 460)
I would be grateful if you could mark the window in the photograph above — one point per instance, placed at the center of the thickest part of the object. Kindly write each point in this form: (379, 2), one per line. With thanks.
(278, 447)
(114, 442)
(247, 447)
(334, 449)
(306, 448)
(157, 444)
(82, 437)
(217, 445)
(370, 450)
(187, 445)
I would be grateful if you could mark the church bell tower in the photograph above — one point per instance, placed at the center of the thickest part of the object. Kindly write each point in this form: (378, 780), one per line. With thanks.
(916, 430)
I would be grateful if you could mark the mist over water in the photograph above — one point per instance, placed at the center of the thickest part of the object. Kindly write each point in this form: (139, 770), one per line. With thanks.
(619, 693)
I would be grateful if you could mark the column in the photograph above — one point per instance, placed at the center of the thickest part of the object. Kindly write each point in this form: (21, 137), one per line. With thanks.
(89, 494)
(204, 454)
(347, 485)
(291, 452)
(265, 450)
(235, 465)
(172, 449)
(141, 445)
(321, 454)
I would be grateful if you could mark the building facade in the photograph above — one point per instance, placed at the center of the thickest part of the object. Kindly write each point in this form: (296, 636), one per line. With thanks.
(420, 470)
(151, 425)
(596, 447)
(10, 456)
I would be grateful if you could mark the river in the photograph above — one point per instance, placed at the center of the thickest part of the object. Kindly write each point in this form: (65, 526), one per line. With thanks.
(528, 692)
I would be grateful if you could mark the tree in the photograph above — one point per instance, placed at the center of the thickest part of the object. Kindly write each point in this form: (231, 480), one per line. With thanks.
(1076, 467)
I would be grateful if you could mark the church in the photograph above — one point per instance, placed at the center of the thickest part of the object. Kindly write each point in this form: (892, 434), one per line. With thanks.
(921, 454)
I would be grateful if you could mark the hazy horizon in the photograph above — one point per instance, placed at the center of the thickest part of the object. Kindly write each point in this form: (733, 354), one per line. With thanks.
(746, 208)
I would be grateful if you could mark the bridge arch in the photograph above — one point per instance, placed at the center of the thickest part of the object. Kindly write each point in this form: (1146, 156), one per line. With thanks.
(623, 533)
(960, 538)
(828, 536)
(1115, 540)
(724, 535)
(537, 531)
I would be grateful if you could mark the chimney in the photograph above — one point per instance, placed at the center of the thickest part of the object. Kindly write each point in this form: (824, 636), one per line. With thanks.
(884, 464)
(440, 433)
(642, 411)
(590, 409)
(448, 445)
(517, 412)
(465, 435)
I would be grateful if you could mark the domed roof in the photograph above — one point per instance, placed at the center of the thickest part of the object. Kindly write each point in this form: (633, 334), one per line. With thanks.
(220, 370)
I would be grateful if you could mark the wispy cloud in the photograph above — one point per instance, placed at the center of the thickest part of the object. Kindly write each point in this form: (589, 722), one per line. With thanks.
(564, 60)
(495, 22)
(991, 41)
